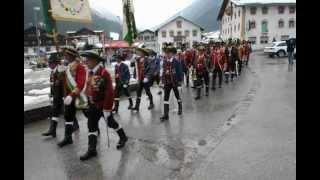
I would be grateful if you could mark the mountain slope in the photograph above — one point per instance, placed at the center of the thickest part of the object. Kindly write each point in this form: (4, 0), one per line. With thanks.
(100, 21)
(204, 13)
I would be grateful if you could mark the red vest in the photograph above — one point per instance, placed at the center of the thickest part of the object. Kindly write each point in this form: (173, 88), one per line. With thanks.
(100, 89)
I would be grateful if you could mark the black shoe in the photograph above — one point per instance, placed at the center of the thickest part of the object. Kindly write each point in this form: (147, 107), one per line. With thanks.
(123, 139)
(65, 141)
(219, 86)
(196, 98)
(89, 154)
(164, 118)
(213, 88)
(160, 92)
(151, 106)
(135, 109)
(67, 136)
(52, 129)
(207, 94)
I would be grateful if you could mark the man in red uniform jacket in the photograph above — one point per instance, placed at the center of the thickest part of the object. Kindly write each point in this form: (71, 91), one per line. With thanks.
(217, 62)
(100, 94)
(201, 65)
(74, 83)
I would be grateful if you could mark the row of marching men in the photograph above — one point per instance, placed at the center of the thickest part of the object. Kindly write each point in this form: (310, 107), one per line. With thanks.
(172, 69)
(88, 86)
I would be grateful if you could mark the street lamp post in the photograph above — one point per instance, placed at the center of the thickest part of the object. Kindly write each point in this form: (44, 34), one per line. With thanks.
(36, 25)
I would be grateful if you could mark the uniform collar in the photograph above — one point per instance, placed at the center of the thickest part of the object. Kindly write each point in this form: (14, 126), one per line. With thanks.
(55, 69)
(95, 69)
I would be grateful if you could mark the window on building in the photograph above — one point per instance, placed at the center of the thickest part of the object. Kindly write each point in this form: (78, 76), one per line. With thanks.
(25, 49)
(291, 23)
(179, 24)
(34, 50)
(281, 23)
(235, 15)
(152, 38)
(26, 43)
(171, 33)
(235, 28)
(164, 34)
(49, 42)
(252, 24)
(48, 48)
(252, 40)
(194, 33)
(264, 10)
(33, 42)
(179, 33)
(141, 38)
(187, 33)
(146, 38)
(239, 13)
(292, 9)
(239, 27)
(187, 44)
(284, 37)
(253, 10)
(264, 26)
(281, 9)
(264, 39)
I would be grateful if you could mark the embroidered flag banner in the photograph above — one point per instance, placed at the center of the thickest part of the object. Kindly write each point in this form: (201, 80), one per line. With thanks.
(71, 10)
(129, 24)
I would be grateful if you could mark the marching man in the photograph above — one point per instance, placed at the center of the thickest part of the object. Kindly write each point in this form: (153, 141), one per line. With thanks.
(171, 79)
(75, 98)
(201, 66)
(100, 94)
(218, 65)
(57, 77)
(143, 73)
(122, 78)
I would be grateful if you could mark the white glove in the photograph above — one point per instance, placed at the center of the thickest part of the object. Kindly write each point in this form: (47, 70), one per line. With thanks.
(68, 100)
(107, 114)
(145, 80)
(125, 86)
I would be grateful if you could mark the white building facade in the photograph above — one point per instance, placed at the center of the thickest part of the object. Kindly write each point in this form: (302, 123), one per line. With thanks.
(149, 40)
(178, 31)
(259, 21)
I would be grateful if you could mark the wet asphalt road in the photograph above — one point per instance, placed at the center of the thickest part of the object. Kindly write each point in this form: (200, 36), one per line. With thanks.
(181, 148)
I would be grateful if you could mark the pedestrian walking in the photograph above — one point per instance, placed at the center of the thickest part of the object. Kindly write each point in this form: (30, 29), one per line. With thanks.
(57, 78)
(202, 73)
(290, 49)
(171, 79)
(75, 98)
(100, 100)
(143, 73)
(217, 62)
(122, 78)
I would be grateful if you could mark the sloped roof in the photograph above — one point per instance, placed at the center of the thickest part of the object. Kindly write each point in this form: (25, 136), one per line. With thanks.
(251, 2)
(172, 19)
(146, 30)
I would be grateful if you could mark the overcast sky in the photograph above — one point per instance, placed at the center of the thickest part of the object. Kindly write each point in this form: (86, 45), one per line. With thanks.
(148, 13)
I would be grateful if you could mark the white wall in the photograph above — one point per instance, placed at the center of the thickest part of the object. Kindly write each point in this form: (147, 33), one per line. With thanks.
(227, 23)
(173, 26)
(272, 18)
